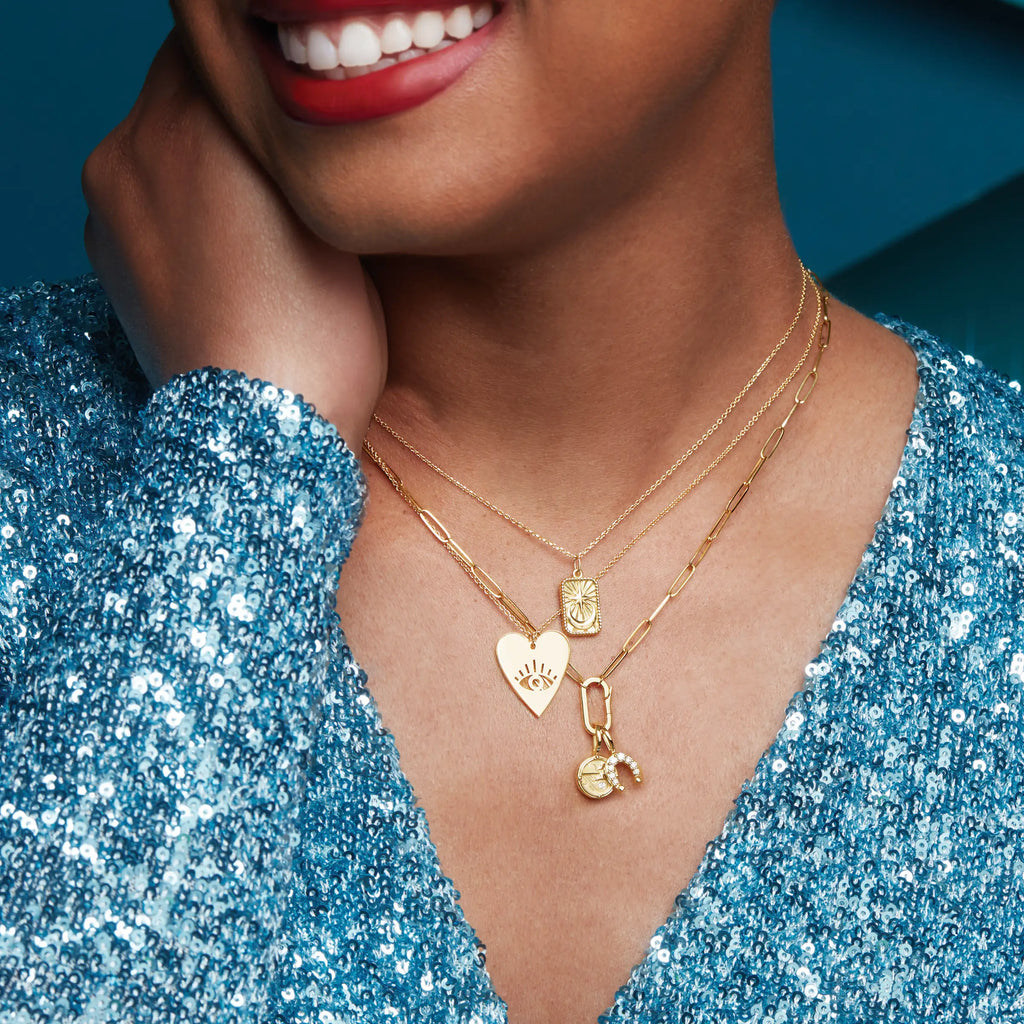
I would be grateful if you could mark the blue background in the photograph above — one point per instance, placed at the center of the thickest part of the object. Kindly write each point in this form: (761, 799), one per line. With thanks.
(900, 143)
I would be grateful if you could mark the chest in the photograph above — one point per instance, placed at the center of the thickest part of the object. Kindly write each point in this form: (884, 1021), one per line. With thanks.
(565, 892)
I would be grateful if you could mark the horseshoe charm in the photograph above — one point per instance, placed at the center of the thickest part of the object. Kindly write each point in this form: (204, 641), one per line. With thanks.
(611, 770)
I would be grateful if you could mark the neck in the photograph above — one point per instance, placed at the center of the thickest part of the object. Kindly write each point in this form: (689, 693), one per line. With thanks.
(621, 339)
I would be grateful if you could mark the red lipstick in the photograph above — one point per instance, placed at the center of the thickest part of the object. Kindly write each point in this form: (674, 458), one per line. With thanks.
(401, 86)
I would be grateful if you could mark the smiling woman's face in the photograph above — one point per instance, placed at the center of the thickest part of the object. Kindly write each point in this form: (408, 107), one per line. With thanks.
(546, 114)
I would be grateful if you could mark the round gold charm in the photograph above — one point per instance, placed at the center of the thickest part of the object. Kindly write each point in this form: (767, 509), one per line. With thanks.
(590, 777)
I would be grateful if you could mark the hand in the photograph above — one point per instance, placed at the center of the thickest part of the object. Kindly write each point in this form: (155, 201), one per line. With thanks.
(206, 264)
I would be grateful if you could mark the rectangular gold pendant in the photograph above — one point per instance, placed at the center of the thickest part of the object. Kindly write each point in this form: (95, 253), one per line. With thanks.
(581, 608)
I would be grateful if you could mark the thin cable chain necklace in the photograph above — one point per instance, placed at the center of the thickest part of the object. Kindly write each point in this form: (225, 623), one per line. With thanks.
(519, 525)
(579, 604)
(577, 582)
(535, 664)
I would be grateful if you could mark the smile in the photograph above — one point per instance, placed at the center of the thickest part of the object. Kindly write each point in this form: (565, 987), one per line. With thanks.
(357, 46)
(327, 66)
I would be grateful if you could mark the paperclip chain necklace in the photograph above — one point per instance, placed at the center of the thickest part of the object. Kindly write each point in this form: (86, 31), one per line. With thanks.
(539, 703)
(545, 657)
(580, 604)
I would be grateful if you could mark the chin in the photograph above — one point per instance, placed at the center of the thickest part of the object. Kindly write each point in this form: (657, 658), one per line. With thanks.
(428, 200)
(371, 216)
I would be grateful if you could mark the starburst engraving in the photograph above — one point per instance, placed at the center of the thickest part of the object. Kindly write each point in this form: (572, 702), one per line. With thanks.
(581, 609)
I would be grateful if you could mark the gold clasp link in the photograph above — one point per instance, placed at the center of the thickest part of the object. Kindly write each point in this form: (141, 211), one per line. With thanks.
(605, 727)
(603, 736)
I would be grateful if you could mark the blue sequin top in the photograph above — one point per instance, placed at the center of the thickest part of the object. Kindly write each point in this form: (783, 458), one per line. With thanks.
(203, 820)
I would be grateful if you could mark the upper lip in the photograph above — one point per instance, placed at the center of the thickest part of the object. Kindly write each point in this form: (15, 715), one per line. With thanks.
(282, 11)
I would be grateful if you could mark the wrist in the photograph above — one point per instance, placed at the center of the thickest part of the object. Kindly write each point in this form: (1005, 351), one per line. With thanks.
(257, 446)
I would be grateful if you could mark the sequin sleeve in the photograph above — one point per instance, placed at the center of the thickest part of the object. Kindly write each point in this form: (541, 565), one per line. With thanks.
(154, 749)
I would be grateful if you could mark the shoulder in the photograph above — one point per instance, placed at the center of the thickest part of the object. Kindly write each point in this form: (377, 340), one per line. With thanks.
(70, 388)
(957, 517)
(70, 392)
(965, 448)
(975, 412)
(63, 338)
(937, 604)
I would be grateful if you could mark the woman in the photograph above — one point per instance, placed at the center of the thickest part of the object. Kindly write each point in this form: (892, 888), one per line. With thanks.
(571, 256)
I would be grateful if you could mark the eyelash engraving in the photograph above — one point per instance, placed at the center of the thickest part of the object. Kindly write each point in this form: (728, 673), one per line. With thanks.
(534, 678)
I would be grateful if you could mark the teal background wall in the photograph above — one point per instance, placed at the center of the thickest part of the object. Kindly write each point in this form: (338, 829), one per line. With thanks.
(68, 73)
(900, 143)
(962, 276)
(900, 146)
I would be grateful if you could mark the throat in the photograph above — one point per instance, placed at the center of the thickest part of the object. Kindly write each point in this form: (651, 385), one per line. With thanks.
(560, 390)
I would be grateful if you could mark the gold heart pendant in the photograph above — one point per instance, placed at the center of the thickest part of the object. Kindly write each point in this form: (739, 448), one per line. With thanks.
(534, 670)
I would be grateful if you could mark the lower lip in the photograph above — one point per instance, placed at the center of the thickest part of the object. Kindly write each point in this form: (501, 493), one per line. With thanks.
(376, 94)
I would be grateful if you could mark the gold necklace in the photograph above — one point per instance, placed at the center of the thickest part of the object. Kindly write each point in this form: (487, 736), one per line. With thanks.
(766, 405)
(579, 596)
(535, 663)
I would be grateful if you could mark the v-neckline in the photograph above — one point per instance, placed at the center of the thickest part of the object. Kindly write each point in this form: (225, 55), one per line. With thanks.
(758, 789)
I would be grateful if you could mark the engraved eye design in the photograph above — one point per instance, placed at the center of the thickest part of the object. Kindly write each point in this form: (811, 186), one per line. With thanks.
(534, 677)
(580, 603)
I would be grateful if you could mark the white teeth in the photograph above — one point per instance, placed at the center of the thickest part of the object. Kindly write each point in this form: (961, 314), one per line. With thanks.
(459, 23)
(341, 49)
(323, 54)
(396, 37)
(428, 29)
(339, 73)
(299, 54)
(292, 45)
(359, 45)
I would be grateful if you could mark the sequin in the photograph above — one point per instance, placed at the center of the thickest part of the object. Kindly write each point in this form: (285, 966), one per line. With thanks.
(202, 818)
